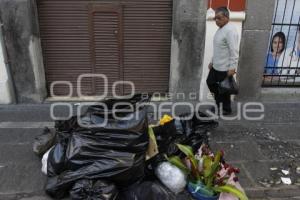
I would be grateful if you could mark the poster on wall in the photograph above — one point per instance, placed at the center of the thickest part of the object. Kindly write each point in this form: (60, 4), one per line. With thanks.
(282, 60)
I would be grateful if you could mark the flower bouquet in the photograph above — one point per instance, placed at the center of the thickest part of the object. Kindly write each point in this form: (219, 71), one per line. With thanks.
(208, 174)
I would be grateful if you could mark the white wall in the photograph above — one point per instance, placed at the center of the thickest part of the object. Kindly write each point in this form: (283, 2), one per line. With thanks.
(237, 19)
(6, 90)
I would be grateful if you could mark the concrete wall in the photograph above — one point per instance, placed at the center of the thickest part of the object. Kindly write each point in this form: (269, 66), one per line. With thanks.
(21, 38)
(187, 47)
(6, 86)
(254, 45)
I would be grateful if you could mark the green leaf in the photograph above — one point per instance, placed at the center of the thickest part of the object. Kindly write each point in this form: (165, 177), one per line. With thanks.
(218, 157)
(187, 150)
(151, 134)
(195, 172)
(207, 163)
(232, 190)
(215, 167)
(175, 160)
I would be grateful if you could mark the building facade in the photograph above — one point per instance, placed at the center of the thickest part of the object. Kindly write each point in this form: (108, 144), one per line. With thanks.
(159, 45)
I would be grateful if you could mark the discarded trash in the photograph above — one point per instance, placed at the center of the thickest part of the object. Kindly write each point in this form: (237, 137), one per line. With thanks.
(214, 177)
(165, 119)
(93, 190)
(149, 190)
(114, 152)
(45, 161)
(285, 172)
(95, 160)
(265, 184)
(286, 181)
(56, 157)
(171, 177)
(192, 132)
(43, 142)
(298, 170)
(273, 168)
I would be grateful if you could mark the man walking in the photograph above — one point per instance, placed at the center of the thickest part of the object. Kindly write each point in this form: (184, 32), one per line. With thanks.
(225, 58)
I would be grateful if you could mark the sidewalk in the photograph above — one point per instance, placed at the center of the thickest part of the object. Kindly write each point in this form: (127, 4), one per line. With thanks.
(255, 147)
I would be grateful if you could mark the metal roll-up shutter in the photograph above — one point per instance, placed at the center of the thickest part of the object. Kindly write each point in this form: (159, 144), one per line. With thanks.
(147, 43)
(126, 40)
(106, 45)
(65, 43)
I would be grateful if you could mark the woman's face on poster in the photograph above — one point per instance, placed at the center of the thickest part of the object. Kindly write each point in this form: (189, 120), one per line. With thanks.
(277, 44)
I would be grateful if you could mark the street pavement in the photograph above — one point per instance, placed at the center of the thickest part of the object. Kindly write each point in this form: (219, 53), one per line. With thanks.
(261, 149)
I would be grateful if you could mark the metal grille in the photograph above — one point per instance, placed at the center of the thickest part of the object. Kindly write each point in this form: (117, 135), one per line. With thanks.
(282, 68)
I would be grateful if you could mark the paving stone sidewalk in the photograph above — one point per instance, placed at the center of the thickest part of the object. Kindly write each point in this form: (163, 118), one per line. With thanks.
(256, 147)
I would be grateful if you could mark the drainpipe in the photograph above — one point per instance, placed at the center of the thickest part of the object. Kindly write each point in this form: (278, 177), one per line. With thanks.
(7, 95)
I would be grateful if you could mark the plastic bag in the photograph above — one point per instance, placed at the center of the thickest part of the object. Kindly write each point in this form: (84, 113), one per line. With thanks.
(115, 152)
(44, 141)
(44, 162)
(192, 132)
(93, 190)
(151, 190)
(172, 177)
(228, 86)
(56, 157)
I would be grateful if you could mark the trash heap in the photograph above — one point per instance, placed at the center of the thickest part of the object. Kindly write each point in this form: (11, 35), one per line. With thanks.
(124, 158)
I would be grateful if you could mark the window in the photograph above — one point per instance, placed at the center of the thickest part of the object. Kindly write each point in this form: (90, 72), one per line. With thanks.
(282, 67)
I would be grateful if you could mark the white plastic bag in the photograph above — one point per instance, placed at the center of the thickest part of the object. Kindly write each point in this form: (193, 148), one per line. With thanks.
(44, 161)
(172, 177)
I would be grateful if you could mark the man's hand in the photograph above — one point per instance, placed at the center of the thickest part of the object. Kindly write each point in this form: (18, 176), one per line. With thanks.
(231, 72)
(210, 66)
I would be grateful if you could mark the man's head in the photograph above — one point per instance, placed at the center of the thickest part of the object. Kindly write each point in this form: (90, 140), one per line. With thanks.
(221, 16)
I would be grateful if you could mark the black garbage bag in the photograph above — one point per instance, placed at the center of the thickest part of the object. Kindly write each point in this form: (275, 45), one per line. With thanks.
(67, 125)
(114, 152)
(56, 157)
(93, 190)
(43, 142)
(119, 104)
(151, 190)
(192, 132)
(121, 108)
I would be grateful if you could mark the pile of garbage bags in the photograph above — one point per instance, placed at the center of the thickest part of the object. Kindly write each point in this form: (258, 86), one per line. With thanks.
(108, 161)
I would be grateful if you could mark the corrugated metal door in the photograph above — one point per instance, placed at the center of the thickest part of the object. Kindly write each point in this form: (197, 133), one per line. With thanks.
(106, 45)
(125, 40)
(147, 43)
(65, 42)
